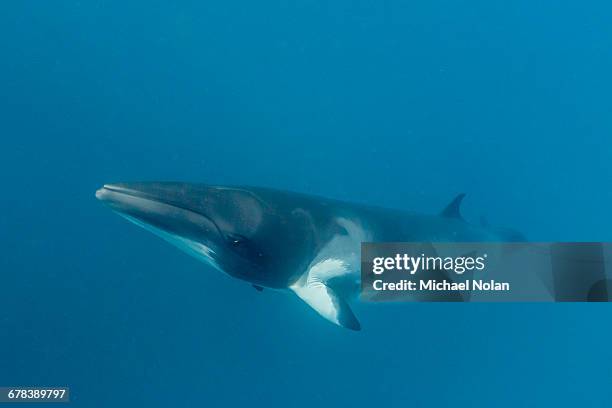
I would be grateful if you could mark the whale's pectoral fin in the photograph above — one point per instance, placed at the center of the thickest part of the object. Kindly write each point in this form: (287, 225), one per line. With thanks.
(327, 303)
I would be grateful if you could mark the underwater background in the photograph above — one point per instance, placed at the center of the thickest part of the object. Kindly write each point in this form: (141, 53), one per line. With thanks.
(395, 103)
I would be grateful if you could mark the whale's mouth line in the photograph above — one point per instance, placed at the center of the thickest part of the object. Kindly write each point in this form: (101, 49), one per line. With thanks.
(139, 194)
(126, 191)
(144, 196)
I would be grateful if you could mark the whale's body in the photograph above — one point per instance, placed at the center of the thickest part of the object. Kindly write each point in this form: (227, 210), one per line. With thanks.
(282, 240)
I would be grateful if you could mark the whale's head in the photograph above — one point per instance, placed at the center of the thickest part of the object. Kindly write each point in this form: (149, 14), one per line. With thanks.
(240, 231)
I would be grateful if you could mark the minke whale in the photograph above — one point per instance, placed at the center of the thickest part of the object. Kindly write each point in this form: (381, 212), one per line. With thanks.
(298, 243)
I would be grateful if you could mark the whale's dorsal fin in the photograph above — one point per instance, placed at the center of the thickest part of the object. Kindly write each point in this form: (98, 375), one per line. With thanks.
(312, 288)
(258, 288)
(453, 210)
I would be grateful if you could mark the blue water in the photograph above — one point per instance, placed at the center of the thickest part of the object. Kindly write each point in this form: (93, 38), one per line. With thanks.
(394, 103)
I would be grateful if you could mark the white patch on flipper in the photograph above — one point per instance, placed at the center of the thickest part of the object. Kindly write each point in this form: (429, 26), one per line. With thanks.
(327, 303)
(326, 270)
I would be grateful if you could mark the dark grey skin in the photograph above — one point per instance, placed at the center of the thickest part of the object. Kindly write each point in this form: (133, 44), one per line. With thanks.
(283, 240)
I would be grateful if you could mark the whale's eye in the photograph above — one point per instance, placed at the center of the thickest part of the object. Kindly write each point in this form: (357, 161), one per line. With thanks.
(245, 247)
(236, 240)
